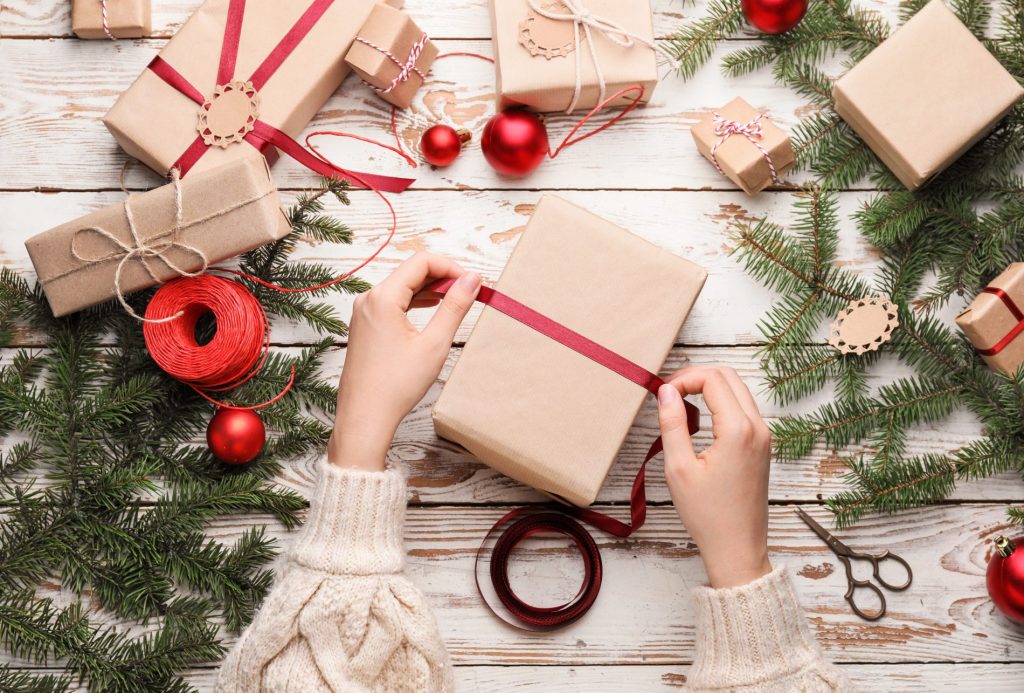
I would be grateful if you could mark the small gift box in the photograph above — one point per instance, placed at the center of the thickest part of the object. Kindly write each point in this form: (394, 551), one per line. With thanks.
(995, 320)
(555, 55)
(744, 145)
(392, 55)
(234, 77)
(111, 19)
(148, 239)
(533, 408)
(925, 95)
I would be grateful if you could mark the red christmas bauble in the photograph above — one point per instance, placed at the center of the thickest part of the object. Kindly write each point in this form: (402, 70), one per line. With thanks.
(514, 142)
(774, 16)
(441, 144)
(236, 436)
(1005, 578)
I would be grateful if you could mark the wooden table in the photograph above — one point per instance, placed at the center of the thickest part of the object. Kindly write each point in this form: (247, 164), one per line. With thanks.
(57, 161)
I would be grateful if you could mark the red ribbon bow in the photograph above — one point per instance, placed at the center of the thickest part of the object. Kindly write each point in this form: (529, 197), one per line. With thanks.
(752, 130)
(263, 135)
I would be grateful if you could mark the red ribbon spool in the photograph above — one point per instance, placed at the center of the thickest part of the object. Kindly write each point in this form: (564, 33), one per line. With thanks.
(235, 353)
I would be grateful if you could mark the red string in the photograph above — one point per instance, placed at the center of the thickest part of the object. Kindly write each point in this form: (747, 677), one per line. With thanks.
(234, 355)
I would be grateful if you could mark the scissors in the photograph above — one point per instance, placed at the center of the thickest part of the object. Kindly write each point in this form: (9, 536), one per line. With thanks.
(845, 553)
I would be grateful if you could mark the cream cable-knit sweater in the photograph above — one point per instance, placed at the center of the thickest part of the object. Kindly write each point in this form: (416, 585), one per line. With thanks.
(343, 618)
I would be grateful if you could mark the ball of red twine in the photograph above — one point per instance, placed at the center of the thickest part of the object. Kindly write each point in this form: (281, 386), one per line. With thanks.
(235, 353)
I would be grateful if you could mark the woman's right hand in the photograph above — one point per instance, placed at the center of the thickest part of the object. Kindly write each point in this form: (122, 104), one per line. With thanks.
(720, 493)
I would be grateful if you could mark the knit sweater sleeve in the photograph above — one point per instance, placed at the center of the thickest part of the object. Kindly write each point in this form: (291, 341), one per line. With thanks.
(342, 616)
(755, 638)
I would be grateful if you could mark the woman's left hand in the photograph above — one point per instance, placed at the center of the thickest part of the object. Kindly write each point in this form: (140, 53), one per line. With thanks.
(389, 364)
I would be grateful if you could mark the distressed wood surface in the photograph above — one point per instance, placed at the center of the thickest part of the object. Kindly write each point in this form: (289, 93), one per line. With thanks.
(643, 616)
(57, 161)
(909, 678)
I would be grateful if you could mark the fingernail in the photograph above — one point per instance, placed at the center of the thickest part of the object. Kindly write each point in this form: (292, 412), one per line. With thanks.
(667, 394)
(469, 280)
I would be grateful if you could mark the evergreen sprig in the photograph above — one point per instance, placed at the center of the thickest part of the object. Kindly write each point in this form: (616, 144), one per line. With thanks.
(105, 490)
(947, 239)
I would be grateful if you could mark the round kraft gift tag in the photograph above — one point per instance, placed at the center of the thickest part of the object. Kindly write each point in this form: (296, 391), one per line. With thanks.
(229, 114)
(864, 325)
(548, 37)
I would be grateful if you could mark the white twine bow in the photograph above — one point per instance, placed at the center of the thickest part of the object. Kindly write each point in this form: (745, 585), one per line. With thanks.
(140, 249)
(586, 21)
(752, 130)
(406, 69)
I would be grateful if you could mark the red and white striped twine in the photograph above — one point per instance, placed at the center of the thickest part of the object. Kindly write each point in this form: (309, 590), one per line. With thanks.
(406, 68)
(106, 21)
(726, 128)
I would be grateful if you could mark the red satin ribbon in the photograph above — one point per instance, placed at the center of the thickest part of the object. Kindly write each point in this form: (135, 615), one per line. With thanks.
(1017, 314)
(529, 523)
(265, 136)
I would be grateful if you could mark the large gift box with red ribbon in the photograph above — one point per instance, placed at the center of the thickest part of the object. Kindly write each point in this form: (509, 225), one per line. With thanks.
(547, 386)
(925, 95)
(240, 78)
(564, 55)
(995, 320)
(158, 235)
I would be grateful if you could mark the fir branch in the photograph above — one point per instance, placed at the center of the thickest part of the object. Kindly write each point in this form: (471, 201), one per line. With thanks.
(693, 45)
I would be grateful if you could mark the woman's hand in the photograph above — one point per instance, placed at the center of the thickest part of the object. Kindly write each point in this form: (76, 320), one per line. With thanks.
(721, 493)
(389, 364)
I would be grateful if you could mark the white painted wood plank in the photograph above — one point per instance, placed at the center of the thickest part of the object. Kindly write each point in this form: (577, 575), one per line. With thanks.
(644, 616)
(441, 472)
(480, 230)
(908, 678)
(448, 19)
(56, 91)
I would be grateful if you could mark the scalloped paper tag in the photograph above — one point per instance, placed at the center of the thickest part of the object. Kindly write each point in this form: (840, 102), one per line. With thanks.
(864, 325)
(229, 114)
(546, 37)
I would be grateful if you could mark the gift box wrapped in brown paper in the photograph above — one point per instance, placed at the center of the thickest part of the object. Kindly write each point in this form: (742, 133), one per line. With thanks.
(925, 95)
(534, 409)
(392, 55)
(125, 18)
(536, 57)
(156, 123)
(744, 145)
(993, 321)
(224, 212)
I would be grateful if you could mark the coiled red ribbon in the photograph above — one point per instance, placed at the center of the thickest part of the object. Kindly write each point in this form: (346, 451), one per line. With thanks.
(528, 523)
(1017, 314)
(264, 136)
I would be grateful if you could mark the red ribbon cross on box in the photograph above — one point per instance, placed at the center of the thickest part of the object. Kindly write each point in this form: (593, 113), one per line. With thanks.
(263, 135)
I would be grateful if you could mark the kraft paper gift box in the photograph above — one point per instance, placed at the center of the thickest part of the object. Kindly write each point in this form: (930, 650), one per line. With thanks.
(384, 46)
(156, 123)
(532, 408)
(925, 95)
(741, 157)
(990, 320)
(125, 18)
(225, 212)
(535, 57)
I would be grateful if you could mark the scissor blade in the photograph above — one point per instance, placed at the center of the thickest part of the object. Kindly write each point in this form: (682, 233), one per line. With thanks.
(825, 535)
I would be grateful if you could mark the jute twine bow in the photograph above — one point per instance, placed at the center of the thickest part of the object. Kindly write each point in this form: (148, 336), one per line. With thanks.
(752, 130)
(586, 21)
(406, 68)
(142, 250)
